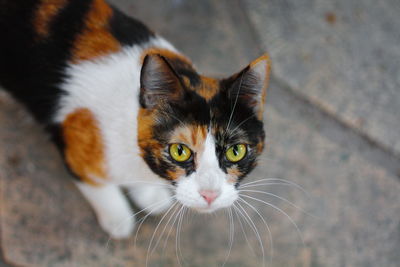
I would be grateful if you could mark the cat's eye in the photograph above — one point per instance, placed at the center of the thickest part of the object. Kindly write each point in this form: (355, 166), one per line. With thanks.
(179, 152)
(236, 152)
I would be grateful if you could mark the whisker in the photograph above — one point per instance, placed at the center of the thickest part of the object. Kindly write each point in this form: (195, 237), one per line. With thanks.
(154, 233)
(281, 198)
(165, 227)
(266, 225)
(269, 179)
(176, 236)
(243, 121)
(141, 221)
(133, 215)
(172, 226)
(179, 234)
(280, 210)
(145, 217)
(234, 105)
(257, 183)
(261, 184)
(242, 227)
(231, 235)
(251, 223)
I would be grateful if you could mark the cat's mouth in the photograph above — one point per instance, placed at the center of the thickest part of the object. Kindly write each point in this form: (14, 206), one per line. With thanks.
(207, 209)
(200, 207)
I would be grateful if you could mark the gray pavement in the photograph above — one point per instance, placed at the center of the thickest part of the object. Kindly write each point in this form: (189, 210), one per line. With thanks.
(331, 128)
(342, 55)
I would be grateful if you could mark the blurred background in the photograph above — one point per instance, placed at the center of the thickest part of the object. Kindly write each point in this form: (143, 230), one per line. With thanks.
(333, 128)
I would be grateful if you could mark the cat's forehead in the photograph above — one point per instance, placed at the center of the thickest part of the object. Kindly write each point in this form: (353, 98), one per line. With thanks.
(193, 135)
(206, 87)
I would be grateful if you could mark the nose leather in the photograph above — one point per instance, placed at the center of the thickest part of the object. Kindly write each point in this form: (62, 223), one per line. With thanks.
(209, 195)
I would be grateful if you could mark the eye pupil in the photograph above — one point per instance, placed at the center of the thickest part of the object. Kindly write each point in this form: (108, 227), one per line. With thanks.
(235, 150)
(180, 150)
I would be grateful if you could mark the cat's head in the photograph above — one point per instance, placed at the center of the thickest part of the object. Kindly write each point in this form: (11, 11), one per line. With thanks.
(202, 134)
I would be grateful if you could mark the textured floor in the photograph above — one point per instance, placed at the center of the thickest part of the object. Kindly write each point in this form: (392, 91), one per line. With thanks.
(332, 123)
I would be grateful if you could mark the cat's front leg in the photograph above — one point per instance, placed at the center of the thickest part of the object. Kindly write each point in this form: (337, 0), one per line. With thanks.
(153, 199)
(111, 207)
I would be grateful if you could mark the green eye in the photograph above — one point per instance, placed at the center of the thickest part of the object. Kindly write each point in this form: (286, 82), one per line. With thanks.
(179, 152)
(236, 152)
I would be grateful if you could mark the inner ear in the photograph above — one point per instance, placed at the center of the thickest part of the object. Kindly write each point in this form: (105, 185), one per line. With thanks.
(249, 86)
(159, 83)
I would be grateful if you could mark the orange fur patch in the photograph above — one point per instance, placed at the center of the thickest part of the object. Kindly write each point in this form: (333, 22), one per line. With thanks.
(44, 15)
(95, 40)
(193, 136)
(146, 120)
(208, 88)
(165, 53)
(179, 172)
(83, 145)
(260, 147)
(234, 173)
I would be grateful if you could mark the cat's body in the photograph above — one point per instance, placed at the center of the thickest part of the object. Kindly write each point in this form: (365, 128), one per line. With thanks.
(123, 106)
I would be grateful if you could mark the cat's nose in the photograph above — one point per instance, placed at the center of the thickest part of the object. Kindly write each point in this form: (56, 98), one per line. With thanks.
(209, 195)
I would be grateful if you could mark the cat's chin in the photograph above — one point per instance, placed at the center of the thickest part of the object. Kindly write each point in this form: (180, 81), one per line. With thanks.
(204, 209)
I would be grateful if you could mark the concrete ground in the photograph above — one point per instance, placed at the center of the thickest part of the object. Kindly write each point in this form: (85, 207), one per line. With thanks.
(332, 123)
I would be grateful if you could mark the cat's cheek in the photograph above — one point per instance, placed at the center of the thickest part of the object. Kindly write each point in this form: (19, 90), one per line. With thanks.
(187, 193)
(228, 196)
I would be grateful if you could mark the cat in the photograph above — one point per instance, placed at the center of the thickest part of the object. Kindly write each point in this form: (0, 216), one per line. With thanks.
(127, 110)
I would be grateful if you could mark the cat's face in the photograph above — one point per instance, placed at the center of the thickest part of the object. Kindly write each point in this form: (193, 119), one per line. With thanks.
(202, 134)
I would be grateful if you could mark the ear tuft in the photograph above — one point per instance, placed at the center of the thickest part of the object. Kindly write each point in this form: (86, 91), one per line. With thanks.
(159, 84)
(250, 85)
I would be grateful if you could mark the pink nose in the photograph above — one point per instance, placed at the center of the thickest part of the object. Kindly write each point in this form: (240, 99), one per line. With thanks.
(209, 195)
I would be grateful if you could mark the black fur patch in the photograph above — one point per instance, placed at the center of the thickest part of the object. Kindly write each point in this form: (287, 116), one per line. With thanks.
(234, 124)
(32, 70)
(128, 31)
(183, 68)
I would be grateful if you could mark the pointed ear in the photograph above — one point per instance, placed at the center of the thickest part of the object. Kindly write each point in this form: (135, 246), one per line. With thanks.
(250, 85)
(159, 84)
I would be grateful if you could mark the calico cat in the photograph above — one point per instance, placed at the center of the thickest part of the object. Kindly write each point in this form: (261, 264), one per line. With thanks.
(126, 109)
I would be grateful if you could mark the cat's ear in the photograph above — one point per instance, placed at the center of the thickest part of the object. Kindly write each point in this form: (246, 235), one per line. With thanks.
(159, 84)
(249, 86)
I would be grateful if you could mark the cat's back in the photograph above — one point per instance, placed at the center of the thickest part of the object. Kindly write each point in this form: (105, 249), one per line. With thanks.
(43, 38)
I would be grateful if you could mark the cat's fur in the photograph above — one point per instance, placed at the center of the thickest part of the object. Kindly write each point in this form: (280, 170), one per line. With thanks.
(114, 96)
